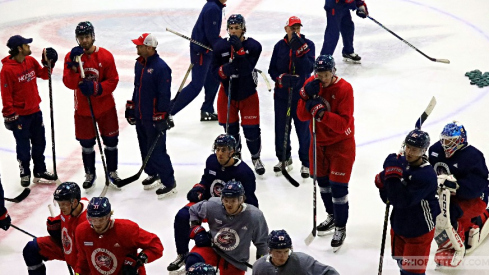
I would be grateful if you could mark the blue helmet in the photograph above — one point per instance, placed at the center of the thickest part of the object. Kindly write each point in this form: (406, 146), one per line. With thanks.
(98, 207)
(237, 19)
(84, 28)
(232, 189)
(452, 138)
(67, 191)
(418, 138)
(325, 63)
(201, 269)
(225, 140)
(279, 239)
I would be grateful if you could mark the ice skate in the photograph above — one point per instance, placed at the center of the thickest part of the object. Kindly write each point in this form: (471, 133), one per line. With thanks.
(259, 168)
(278, 167)
(326, 227)
(44, 178)
(352, 58)
(338, 238)
(206, 116)
(164, 191)
(305, 172)
(178, 263)
(89, 182)
(151, 182)
(114, 180)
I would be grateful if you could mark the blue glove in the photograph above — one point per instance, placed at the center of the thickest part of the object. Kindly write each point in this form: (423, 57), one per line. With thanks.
(287, 81)
(196, 194)
(49, 54)
(90, 87)
(129, 114)
(312, 88)
(227, 70)
(394, 166)
(362, 10)
(5, 221)
(76, 51)
(11, 122)
(162, 122)
(298, 45)
(235, 42)
(201, 237)
(315, 106)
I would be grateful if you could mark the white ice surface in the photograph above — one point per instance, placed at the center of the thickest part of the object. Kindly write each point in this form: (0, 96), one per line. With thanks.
(392, 86)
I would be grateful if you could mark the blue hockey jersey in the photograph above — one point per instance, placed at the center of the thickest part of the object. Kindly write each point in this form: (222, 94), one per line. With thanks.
(208, 26)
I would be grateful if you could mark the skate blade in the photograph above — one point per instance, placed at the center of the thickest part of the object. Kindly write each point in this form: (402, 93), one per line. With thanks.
(279, 173)
(114, 186)
(44, 181)
(172, 192)
(90, 189)
(178, 272)
(336, 249)
(347, 60)
(152, 186)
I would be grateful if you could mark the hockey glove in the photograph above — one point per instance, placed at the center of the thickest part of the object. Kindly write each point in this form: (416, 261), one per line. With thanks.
(379, 180)
(53, 225)
(196, 194)
(394, 166)
(162, 122)
(227, 70)
(449, 182)
(287, 81)
(316, 108)
(11, 122)
(90, 87)
(5, 221)
(201, 237)
(298, 45)
(312, 89)
(49, 54)
(76, 51)
(132, 263)
(130, 115)
(362, 10)
(235, 42)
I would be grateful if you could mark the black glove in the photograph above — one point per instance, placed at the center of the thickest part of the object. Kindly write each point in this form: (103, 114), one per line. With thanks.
(394, 166)
(288, 80)
(49, 54)
(226, 70)
(201, 237)
(11, 122)
(5, 221)
(132, 263)
(312, 88)
(162, 122)
(235, 42)
(196, 194)
(90, 87)
(130, 116)
(362, 10)
(315, 106)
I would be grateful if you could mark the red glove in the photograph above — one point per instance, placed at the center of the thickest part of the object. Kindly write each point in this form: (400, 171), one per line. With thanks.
(379, 180)
(53, 225)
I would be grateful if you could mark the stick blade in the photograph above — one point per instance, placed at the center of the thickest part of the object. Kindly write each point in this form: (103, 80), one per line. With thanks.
(426, 113)
(446, 61)
(288, 177)
(21, 196)
(309, 238)
(130, 179)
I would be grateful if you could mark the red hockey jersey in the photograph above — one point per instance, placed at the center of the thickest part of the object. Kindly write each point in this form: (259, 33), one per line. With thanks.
(68, 227)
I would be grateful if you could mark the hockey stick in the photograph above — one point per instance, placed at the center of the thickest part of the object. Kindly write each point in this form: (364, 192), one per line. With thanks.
(288, 121)
(135, 177)
(229, 258)
(446, 61)
(229, 104)
(21, 196)
(23, 231)
(419, 122)
(267, 82)
(53, 143)
(311, 236)
(94, 122)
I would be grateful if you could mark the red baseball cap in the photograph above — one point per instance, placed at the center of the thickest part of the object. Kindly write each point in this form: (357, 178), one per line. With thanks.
(293, 20)
(146, 39)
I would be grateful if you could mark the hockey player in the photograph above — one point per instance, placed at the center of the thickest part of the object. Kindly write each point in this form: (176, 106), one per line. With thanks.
(233, 226)
(221, 167)
(328, 99)
(282, 260)
(5, 220)
(234, 62)
(110, 246)
(100, 81)
(291, 64)
(409, 184)
(201, 269)
(206, 31)
(60, 245)
(148, 110)
(339, 20)
(462, 170)
(21, 112)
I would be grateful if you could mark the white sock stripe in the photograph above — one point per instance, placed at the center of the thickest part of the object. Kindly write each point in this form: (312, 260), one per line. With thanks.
(86, 150)
(34, 267)
(111, 148)
(325, 189)
(342, 200)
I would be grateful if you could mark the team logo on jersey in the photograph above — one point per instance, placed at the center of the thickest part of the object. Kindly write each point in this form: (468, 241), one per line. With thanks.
(227, 239)
(104, 261)
(441, 168)
(216, 187)
(67, 241)
(150, 70)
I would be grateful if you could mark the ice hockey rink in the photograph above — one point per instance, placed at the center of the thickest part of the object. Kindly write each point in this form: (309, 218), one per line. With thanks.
(392, 87)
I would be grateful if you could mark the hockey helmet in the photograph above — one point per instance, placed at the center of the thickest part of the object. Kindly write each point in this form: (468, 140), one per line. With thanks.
(201, 269)
(225, 140)
(279, 239)
(418, 138)
(67, 191)
(325, 63)
(237, 19)
(232, 189)
(98, 207)
(84, 28)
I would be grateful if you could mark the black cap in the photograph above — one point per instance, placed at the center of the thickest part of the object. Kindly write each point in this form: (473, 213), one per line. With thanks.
(17, 40)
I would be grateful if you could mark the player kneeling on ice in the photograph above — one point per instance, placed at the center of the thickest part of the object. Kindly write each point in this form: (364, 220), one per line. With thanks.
(110, 246)
(464, 187)
(220, 167)
(233, 226)
(60, 245)
(282, 260)
(409, 184)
